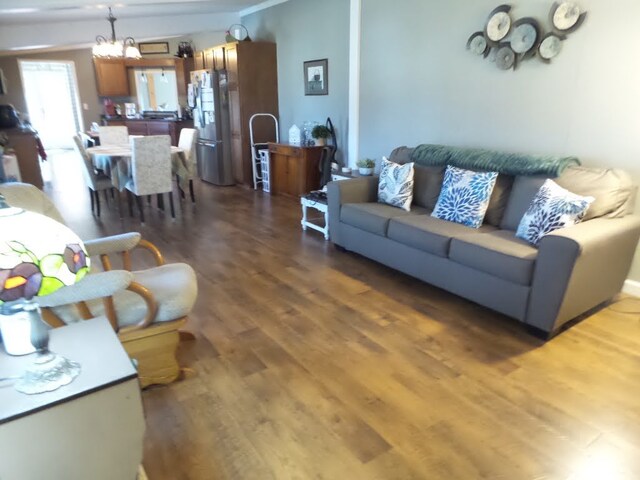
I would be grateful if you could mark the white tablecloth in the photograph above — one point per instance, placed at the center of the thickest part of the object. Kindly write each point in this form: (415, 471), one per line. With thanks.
(115, 162)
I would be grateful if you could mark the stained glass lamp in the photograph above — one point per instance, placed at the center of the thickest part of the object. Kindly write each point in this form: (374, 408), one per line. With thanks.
(37, 257)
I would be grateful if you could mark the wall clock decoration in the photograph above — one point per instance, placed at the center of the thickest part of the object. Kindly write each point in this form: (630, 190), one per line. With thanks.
(525, 36)
(478, 44)
(550, 47)
(499, 23)
(505, 57)
(566, 17)
(507, 42)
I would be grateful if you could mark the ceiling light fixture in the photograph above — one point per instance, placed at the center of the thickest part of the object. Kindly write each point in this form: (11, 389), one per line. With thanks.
(114, 48)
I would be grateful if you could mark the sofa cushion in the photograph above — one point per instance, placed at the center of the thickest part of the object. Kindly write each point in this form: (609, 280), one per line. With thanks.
(611, 189)
(465, 196)
(427, 185)
(401, 155)
(428, 233)
(498, 253)
(395, 185)
(373, 217)
(522, 193)
(552, 208)
(499, 199)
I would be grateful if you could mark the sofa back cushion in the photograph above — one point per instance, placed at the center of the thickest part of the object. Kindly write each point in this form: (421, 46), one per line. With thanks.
(611, 188)
(427, 180)
(427, 185)
(522, 193)
(499, 200)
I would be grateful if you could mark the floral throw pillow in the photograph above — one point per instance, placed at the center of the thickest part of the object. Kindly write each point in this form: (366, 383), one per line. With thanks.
(465, 196)
(395, 186)
(552, 208)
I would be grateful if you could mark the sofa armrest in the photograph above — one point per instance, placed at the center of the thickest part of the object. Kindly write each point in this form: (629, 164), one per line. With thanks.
(355, 190)
(580, 267)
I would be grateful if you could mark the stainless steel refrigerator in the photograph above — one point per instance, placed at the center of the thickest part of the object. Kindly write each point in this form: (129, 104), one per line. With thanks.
(208, 97)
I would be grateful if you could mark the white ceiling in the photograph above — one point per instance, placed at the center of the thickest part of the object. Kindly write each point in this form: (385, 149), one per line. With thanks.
(45, 11)
(66, 24)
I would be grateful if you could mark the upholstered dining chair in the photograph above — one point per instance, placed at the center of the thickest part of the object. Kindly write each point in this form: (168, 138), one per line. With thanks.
(118, 135)
(145, 307)
(151, 170)
(187, 142)
(96, 182)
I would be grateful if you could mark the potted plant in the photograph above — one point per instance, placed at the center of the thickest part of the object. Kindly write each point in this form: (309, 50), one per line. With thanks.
(320, 133)
(366, 166)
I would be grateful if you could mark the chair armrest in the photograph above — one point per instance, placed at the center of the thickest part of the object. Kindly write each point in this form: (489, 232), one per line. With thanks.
(122, 244)
(113, 244)
(579, 268)
(355, 190)
(91, 287)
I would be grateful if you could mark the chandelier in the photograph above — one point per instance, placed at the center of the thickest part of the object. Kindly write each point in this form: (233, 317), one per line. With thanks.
(114, 48)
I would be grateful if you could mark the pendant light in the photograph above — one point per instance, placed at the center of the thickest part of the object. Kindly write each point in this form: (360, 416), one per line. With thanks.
(114, 48)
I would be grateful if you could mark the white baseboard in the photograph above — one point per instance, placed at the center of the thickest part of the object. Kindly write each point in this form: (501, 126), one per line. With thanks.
(631, 287)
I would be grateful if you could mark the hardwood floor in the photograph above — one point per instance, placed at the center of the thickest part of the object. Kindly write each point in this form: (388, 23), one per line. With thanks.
(311, 363)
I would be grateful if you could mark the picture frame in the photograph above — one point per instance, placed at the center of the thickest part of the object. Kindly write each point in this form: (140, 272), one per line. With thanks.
(3, 83)
(316, 77)
(153, 48)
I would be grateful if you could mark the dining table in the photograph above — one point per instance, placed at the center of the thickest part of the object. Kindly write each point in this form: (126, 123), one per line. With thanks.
(114, 161)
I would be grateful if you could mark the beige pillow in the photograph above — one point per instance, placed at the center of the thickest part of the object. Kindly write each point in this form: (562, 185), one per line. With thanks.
(611, 189)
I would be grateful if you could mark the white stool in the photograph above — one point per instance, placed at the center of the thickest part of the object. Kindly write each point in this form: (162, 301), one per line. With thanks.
(320, 206)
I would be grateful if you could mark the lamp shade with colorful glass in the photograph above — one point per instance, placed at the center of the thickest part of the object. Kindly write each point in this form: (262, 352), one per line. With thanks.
(37, 257)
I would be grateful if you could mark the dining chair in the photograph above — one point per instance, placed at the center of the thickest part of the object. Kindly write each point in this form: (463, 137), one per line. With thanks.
(95, 181)
(118, 135)
(187, 142)
(151, 170)
(146, 307)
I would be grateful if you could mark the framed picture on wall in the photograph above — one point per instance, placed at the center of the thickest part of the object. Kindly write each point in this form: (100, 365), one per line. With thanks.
(153, 47)
(316, 77)
(3, 83)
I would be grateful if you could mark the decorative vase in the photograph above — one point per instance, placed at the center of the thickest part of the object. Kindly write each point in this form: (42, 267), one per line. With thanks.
(365, 171)
(320, 142)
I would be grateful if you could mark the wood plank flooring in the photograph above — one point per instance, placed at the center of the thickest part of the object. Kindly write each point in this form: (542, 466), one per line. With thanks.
(311, 363)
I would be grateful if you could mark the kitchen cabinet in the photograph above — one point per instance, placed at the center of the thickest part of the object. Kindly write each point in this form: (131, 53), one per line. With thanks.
(198, 60)
(111, 77)
(152, 127)
(253, 88)
(294, 170)
(218, 59)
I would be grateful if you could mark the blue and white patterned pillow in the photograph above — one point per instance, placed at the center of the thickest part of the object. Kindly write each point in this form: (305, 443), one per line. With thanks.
(395, 186)
(465, 196)
(552, 208)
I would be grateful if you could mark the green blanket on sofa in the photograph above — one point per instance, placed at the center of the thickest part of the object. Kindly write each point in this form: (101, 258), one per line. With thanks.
(491, 160)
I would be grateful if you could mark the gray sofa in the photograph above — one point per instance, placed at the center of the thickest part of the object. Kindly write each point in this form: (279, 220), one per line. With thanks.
(572, 271)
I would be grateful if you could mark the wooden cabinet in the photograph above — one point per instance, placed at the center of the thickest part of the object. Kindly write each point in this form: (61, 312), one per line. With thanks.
(218, 59)
(294, 170)
(25, 145)
(111, 77)
(153, 127)
(198, 60)
(208, 59)
(253, 88)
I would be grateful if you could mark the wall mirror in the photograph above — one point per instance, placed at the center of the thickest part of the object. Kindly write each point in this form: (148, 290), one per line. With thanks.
(157, 89)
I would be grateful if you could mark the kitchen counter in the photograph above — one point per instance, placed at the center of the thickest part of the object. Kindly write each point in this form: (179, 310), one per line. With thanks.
(151, 126)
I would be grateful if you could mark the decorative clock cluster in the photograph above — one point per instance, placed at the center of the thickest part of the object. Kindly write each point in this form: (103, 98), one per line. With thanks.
(511, 42)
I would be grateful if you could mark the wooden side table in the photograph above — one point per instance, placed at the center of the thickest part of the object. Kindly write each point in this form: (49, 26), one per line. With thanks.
(294, 170)
(91, 428)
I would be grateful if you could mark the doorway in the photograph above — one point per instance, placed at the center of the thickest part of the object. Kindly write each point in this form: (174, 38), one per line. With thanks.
(51, 95)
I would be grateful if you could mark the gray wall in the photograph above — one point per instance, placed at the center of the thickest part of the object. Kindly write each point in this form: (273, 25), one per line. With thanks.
(308, 30)
(420, 85)
(85, 74)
